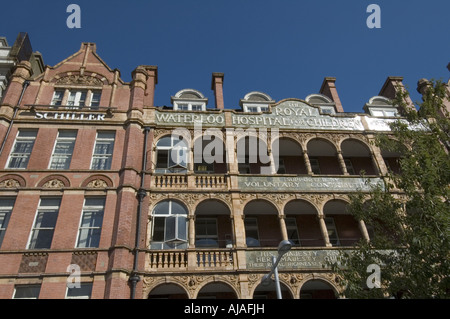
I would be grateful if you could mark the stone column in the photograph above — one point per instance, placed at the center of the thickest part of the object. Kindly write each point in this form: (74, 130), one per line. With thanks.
(342, 163)
(307, 163)
(363, 229)
(284, 233)
(323, 229)
(191, 237)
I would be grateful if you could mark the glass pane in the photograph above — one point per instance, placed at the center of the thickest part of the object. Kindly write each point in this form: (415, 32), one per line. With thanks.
(162, 159)
(83, 292)
(92, 219)
(41, 239)
(170, 231)
(165, 141)
(89, 237)
(182, 228)
(162, 208)
(158, 229)
(106, 135)
(178, 209)
(27, 292)
(46, 219)
(23, 146)
(55, 202)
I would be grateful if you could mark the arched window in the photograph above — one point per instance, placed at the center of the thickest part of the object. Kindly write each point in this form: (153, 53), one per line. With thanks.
(171, 155)
(169, 226)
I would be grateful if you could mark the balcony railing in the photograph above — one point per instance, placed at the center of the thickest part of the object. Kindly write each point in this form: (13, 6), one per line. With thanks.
(175, 181)
(173, 260)
(252, 258)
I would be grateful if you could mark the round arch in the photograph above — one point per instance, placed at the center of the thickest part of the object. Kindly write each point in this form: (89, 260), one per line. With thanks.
(318, 288)
(217, 290)
(213, 226)
(269, 291)
(168, 291)
(302, 224)
(261, 220)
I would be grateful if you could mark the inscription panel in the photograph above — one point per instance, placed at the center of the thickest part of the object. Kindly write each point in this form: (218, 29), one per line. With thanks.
(307, 183)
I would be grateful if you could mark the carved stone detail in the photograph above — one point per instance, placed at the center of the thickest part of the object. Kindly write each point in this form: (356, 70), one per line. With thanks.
(79, 80)
(97, 183)
(10, 183)
(54, 183)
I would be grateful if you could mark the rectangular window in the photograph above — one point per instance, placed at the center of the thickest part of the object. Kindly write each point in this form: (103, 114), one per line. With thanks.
(44, 225)
(82, 292)
(292, 230)
(251, 232)
(314, 165)
(91, 223)
(197, 107)
(206, 232)
(27, 292)
(95, 99)
(77, 98)
(6, 207)
(332, 232)
(57, 97)
(62, 153)
(103, 150)
(22, 148)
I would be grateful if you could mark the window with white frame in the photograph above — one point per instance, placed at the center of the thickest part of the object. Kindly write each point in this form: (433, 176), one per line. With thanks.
(6, 207)
(103, 150)
(189, 106)
(255, 108)
(21, 151)
(63, 150)
(44, 224)
(206, 234)
(27, 291)
(84, 291)
(77, 98)
(95, 99)
(57, 99)
(91, 223)
(380, 112)
(171, 155)
(169, 226)
(327, 109)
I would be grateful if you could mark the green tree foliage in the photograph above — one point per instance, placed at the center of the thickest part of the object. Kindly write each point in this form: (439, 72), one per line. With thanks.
(408, 218)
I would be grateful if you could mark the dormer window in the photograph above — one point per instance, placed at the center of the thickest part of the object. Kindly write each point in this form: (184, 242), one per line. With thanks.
(379, 106)
(189, 100)
(325, 104)
(256, 102)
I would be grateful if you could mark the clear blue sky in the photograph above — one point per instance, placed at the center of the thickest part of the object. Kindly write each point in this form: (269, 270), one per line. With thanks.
(284, 48)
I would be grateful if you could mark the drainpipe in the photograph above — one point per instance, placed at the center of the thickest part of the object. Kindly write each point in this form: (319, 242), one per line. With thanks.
(134, 277)
(16, 109)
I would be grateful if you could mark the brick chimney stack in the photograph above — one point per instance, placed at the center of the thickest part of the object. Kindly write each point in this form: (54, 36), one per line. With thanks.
(390, 88)
(329, 89)
(217, 87)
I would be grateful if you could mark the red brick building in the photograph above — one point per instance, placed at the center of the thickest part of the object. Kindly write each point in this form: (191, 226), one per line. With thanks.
(90, 192)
